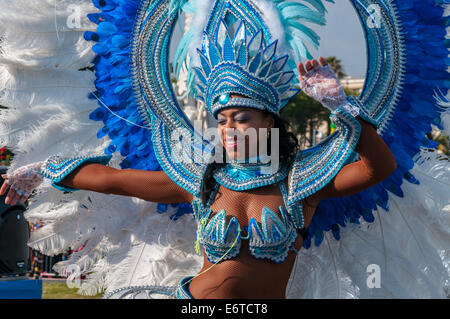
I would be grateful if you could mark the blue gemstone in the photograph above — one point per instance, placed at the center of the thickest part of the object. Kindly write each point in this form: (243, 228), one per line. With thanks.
(224, 98)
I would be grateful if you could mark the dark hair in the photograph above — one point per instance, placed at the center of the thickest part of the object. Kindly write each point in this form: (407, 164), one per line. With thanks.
(288, 148)
(288, 141)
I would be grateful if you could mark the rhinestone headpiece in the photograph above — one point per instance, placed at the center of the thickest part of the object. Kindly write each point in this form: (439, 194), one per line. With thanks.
(238, 57)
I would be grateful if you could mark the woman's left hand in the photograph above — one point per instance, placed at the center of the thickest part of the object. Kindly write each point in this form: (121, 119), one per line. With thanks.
(320, 82)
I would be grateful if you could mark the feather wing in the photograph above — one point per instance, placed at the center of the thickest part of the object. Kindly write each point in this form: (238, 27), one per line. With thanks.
(408, 122)
(403, 225)
(407, 245)
(51, 95)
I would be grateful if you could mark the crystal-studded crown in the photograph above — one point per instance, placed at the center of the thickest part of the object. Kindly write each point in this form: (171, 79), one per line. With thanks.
(242, 63)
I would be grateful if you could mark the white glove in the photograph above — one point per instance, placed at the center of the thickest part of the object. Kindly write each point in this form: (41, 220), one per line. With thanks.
(320, 83)
(21, 182)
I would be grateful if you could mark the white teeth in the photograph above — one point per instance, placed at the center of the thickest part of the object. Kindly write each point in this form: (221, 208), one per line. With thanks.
(230, 143)
(230, 140)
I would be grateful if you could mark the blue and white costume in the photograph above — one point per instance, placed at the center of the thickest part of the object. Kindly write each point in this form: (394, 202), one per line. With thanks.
(249, 47)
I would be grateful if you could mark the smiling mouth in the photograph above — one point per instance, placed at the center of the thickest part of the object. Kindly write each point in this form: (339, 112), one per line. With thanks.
(230, 142)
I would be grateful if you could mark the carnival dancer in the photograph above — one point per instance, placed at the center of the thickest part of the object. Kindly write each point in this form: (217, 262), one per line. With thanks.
(256, 198)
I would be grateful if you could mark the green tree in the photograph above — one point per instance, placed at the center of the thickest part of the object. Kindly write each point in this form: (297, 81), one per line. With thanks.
(305, 115)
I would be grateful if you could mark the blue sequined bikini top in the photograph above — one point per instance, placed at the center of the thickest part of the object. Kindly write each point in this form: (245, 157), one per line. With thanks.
(272, 240)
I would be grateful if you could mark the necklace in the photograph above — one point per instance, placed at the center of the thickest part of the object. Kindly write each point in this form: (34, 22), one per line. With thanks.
(240, 176)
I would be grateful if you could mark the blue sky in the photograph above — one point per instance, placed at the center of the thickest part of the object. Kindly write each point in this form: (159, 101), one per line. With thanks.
(343, 37)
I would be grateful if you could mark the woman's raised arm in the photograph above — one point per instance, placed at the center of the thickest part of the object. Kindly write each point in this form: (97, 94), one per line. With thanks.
(376, 164)
(377, 161)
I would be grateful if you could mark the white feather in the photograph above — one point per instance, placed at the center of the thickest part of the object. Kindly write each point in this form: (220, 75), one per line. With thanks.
(444, 102)
(40, 81)
(410, 244)
(46, 34)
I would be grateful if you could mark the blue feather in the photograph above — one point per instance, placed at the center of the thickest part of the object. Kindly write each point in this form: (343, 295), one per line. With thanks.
(424, 36)
(114, 89)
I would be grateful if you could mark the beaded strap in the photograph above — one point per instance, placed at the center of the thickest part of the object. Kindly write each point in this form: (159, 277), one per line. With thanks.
(236, 102)
(284, 192)
(363, 113)
(183, 289)
(132, 292)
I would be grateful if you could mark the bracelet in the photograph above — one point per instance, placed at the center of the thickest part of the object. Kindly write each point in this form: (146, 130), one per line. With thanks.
(357, 107)
(56, 168)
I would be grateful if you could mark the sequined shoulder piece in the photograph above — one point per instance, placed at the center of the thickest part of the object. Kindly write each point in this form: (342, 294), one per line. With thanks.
(315, 167)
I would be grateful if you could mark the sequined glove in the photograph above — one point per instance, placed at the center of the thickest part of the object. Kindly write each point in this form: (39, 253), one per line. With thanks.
(21, 182)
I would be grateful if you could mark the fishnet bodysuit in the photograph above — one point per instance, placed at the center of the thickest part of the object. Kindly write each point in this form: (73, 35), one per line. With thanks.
(246, 276)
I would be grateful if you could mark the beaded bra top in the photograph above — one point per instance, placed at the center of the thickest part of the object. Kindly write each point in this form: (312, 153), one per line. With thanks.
(272, 239)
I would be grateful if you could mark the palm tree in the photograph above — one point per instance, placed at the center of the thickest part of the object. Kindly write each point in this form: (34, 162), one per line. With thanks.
(336, 65)
(304, 115)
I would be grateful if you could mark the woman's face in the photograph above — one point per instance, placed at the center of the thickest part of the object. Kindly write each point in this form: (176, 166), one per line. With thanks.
(235, 126)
